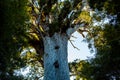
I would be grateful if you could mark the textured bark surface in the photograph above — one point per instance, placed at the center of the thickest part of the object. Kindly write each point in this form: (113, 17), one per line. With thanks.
(55, 58)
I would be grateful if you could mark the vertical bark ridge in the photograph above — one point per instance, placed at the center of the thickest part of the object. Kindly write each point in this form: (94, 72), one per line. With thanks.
(55, 57)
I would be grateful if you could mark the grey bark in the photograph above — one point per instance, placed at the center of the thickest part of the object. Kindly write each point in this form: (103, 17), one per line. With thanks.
(55, 57)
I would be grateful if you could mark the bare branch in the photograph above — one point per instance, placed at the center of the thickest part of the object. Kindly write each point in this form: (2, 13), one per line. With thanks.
(81, 32)
(38, 20)
(74, 37)
(73, 45)
(72, 40)
(37, 16)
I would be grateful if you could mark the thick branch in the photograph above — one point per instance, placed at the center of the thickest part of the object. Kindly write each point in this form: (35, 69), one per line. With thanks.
(78, 24)
(70, 31)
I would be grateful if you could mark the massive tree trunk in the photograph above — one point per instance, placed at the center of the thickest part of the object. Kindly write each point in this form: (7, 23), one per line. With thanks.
(55, 57)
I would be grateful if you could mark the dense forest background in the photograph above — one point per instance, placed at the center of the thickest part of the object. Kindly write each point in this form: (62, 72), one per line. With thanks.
(22, 47)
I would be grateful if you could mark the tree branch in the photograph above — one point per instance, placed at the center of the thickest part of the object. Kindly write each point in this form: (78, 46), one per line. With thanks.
(73, 45)
(70, 31)
(38, 17)
(74, 37)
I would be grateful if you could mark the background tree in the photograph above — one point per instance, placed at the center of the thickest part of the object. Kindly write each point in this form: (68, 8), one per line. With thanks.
(107, 57)
(107, 41)
(53, 22)
(105, 38)
(13, 17)
(81, 69)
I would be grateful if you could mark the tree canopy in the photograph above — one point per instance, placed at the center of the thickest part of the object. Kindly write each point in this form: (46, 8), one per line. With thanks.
(24, 24)
(105, 39)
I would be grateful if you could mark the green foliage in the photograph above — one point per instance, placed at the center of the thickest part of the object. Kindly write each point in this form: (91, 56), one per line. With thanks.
(56, 28)
(13, 26)
(76, 3)
(106, 41)
(105, 65)
(85, 16)
(111, 6)
(64, 11)
(81, 69)
(15, 36)
(59, 13)
(48, 3)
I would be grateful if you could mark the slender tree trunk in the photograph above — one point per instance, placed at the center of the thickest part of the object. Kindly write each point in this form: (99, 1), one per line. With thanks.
(55, 57)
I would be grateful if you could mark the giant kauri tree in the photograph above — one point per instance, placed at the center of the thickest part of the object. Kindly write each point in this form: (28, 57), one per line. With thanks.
(50, 26)
(53, 22)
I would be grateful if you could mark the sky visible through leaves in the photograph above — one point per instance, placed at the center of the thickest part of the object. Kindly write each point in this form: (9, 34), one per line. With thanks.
(83, 52)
